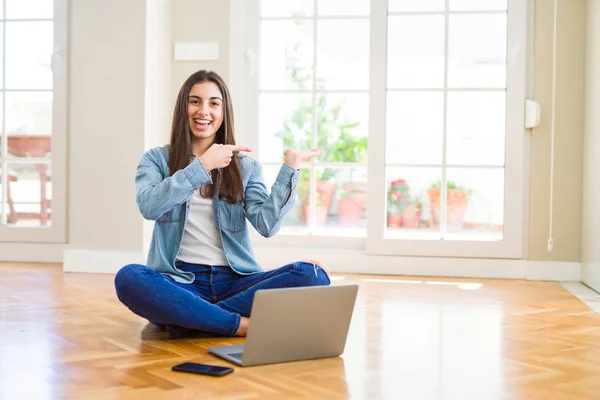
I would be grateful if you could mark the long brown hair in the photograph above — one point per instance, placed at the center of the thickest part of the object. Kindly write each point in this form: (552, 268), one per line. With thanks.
(180, 148)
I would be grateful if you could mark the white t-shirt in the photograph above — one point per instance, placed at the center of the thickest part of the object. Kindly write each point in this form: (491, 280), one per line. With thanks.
(201, 243)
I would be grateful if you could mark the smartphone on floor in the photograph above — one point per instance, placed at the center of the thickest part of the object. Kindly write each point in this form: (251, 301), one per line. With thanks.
(202, 369)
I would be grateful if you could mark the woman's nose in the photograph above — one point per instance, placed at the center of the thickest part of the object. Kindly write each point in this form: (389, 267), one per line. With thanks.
(203, 109)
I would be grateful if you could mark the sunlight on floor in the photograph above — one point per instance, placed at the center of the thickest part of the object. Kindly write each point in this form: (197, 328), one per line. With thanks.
(459, 285)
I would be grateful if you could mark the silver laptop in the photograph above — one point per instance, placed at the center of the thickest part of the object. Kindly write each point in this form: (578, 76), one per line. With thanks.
(294, 324)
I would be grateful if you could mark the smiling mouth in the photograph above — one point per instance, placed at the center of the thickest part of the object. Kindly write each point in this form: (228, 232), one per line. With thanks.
(202, 122)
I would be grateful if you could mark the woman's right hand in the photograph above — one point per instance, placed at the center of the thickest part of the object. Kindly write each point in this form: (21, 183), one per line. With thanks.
(219, 155)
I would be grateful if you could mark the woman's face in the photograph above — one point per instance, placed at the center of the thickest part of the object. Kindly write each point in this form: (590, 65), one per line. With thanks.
(205, 110)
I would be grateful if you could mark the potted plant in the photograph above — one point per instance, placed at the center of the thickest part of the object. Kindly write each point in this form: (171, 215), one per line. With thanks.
(411, 216)
(403, 210)
(334, 136)
(351, 203)
(457, 198)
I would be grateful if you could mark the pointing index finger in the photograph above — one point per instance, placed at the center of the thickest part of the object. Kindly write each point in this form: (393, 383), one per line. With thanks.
(240, 148)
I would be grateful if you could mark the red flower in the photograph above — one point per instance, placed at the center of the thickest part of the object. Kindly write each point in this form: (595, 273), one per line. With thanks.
(398, 182)
(397, 195)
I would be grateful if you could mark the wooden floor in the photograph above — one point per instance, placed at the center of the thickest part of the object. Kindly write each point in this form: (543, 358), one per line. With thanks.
(67, 336)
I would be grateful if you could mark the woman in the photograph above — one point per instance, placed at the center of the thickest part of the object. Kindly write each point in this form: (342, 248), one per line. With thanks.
(201, 273)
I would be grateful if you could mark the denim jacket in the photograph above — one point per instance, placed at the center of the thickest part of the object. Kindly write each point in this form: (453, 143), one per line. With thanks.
(166, 200)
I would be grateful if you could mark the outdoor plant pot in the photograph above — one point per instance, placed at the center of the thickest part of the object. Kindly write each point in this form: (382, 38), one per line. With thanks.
(394, 221)
(349, 210)
(411, 216)
(325, 191)
(455, 206)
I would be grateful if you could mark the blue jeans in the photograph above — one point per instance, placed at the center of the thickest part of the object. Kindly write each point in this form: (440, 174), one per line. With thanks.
(214, 302)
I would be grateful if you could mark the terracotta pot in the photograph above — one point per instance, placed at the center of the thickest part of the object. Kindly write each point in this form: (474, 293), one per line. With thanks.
(456, 204)
(411, 216)
(325, 190)
(349, 210)
(394, 221)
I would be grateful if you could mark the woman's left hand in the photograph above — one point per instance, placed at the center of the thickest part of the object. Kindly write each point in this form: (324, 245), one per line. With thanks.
(293, 158)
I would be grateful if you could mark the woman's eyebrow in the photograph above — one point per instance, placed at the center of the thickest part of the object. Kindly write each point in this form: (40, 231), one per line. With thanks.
(198, 97)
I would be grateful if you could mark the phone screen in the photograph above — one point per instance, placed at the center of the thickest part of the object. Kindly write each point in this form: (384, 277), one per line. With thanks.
(203, 369)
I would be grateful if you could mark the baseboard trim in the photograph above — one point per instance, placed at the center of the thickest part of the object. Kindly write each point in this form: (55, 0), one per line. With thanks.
(349, 261)
(99, 262)
(32, 252)
(563, 271)
(357, 262)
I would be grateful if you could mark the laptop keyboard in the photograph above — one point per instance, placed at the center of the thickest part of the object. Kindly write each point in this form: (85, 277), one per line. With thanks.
(237, 356)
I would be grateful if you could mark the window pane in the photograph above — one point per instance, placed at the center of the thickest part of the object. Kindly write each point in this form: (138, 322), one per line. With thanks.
(286, 55)
(477, 51)
(476, 128)
(29, 9)
(285, 122)
(343, 54)
(29, 123)
(416, 5)
(408, 207)
(416, 52)
(295, 220)
(477, 5)
(340, 200)
(475, 204)
(415, 126)
(342, 125)
(343, 7)
(29, 195)
(30, 69)
(288, 8)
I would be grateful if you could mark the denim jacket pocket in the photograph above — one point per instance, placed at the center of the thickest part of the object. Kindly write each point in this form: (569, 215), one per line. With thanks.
(172, 215)
(232, 216)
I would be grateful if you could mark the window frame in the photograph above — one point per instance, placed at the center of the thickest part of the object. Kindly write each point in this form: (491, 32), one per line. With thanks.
(56, 232)
(244, 72)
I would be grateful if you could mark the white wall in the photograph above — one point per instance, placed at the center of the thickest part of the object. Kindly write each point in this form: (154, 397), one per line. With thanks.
(591, 178)
(570, 52)
(119, 106)
(123, 83)
(201, 21)
(106, 123)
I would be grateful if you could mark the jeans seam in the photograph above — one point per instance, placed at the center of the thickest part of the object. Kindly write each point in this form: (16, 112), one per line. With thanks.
(236, 324)
(293, 268)
(212, 290)
(245, 288)
(240, 292)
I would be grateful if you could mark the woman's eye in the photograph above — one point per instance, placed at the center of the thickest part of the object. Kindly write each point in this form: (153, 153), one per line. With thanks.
(215, 103)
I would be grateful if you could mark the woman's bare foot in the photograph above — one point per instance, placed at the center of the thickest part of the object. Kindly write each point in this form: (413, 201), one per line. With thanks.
(243, 329)
(320, 264)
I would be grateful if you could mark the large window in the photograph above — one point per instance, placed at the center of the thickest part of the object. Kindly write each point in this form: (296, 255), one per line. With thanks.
(418, 106)
(313, 92)
(32, 120)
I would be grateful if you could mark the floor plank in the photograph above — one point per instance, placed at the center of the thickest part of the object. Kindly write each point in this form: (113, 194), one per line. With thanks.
(67, 336)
